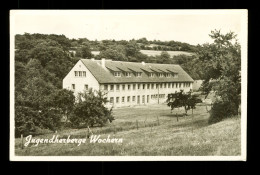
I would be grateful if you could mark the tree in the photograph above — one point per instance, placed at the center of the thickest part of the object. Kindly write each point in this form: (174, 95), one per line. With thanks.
(64, 100)
(90, 110)
(165, 57)
(84, 52)
(222, 64)
(112, 53)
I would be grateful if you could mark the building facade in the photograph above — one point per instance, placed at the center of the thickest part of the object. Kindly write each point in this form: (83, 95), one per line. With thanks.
(128, 83)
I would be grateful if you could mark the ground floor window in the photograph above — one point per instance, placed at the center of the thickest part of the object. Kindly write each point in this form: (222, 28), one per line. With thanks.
(117, 99)
(143, 99)
(133, 98)
(123, 99)
(128, 99)
(111, 99)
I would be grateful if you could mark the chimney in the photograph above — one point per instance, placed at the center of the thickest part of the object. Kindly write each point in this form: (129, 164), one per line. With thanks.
(143, 63)
(103, 62)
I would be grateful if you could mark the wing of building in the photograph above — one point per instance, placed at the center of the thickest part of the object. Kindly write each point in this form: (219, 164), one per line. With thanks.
(128, 83)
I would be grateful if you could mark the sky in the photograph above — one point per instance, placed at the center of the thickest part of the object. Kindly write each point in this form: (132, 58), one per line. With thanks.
(190, 26)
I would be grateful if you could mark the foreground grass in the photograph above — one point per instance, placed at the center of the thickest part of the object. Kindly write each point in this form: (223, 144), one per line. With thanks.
(158, 134)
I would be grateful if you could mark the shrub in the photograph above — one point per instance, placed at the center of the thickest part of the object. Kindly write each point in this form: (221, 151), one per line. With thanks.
(221, 110)
(90, 110)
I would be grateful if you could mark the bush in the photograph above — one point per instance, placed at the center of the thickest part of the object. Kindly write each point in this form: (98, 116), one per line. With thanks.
(90, 110)
(221, 110)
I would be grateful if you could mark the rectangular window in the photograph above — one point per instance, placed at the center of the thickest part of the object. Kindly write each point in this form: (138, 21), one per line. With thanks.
(80, 73)
(86, 87)
(152, 86)
(111, 87)
(129, 87)
(147, 98)
(105, 100)
(84, 73)
(148, 86)
(143, 86)
(177, 85)
(128, 99)
(180, 85)
(172, 85)
(128, 74)
(76, 73)
(105, 87)
(117, 74)
(123, 87)
(133, 98)
(164, 85)
(161, 85)
(157, 86)
(143, 99)
(138, 86)
(117, 87)
(133, 86)
(73, 86)
(169, 85)
(123, 99)
(112, 100)
(117, 99)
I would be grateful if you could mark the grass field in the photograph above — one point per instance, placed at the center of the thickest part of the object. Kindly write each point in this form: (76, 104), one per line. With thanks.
(158, 134)
(155, 52)
(172, 53)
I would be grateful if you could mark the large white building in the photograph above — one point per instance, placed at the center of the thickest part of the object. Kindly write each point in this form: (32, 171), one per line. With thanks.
(128, 83)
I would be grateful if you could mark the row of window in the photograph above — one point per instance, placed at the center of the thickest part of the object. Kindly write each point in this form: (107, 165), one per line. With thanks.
(139, 74)
(80, 73)
(133, 99)
(145, 86)
(73, 86)
(156, 96)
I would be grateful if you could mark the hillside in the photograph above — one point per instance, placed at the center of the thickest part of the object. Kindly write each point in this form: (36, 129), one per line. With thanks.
(172, 53)
(164, 137)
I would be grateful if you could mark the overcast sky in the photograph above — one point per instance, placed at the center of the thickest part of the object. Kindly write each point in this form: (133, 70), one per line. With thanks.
(192, 27)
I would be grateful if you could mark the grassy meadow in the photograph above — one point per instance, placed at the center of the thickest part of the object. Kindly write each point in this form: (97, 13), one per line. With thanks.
(172, 53)
(149, 131)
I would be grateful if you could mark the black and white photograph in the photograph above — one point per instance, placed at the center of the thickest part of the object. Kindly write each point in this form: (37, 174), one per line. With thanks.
(128, 85)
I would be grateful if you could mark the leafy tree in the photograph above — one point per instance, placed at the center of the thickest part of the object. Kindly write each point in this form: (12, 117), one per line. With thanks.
(90, 110)
(222, 64)
(113, 54)
(84, 52)
(64, 100)
(165, 57)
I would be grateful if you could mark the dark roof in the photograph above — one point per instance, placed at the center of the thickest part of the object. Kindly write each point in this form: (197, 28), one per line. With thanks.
(104, 75)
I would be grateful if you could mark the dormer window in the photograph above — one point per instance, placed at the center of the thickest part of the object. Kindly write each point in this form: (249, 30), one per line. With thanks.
(168, 75)
(151, 74)
(117, 74)
(128, 74)
(138, 74)
(175, 75)
(160, 74)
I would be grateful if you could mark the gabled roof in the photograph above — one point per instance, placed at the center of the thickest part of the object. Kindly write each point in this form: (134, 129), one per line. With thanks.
(105, 75)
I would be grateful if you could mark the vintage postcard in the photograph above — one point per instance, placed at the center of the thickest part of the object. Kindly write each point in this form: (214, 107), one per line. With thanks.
(128, 85)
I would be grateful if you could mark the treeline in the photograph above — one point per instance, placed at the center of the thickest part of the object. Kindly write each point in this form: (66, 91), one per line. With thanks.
(121, 50)
(41, 63)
